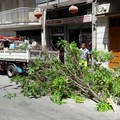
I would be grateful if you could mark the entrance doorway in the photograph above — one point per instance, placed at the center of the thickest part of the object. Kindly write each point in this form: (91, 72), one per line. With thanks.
(74, 36)
(81, 35)
(114, 40)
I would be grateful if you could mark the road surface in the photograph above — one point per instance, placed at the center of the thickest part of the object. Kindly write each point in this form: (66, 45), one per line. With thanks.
(23, 108)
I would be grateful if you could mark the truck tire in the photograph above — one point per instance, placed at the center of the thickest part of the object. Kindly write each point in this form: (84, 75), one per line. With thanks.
(11, 71)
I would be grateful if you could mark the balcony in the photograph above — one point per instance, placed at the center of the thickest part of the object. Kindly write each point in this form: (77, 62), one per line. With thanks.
(18, 16)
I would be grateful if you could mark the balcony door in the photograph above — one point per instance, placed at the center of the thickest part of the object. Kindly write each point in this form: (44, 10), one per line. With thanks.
(17, 3)
(14, 4)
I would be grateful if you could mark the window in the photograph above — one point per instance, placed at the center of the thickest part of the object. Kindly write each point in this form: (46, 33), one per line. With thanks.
(57, 30)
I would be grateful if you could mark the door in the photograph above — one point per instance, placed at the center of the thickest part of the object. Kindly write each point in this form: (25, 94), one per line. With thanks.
(114, 41)
(74, 35)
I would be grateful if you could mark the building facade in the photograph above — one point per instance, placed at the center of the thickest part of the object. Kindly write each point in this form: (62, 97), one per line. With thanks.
(96, 22)
(60, 23)
(17, 18)
(108, 28)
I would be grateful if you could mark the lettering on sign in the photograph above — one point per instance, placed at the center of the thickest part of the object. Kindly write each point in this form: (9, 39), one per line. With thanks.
(49, 22)
(70, 20)
(58, 21)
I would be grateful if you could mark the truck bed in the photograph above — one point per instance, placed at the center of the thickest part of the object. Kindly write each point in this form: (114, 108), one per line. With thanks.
(25, 56)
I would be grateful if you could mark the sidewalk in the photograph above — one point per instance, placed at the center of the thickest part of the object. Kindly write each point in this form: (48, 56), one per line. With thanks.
(23, 108)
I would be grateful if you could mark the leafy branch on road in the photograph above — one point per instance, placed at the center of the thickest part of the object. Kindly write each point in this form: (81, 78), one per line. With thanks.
(10, 95)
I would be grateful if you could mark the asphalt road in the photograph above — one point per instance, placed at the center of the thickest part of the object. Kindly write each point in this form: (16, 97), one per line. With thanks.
(23, 108)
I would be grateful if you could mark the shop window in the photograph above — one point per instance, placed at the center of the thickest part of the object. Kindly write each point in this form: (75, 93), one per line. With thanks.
(81, 35)
(57, 30)
(56, 34)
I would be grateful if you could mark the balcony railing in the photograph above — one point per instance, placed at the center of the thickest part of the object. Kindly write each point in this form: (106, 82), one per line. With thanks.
(18, 15)
(44, 1)
(51, 3)
(60, 1)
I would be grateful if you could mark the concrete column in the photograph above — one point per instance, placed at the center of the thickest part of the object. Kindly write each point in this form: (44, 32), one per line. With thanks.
(43, 32)
(94, 21)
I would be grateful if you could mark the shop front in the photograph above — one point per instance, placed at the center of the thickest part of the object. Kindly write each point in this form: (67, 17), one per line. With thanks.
(61, 24)
(78, 29)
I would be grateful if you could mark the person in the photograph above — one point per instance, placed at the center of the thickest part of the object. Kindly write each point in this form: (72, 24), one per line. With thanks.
(1, 45)
(6, 44)
(29, 44)
(36, 45)
(85, 55)
(12, 45)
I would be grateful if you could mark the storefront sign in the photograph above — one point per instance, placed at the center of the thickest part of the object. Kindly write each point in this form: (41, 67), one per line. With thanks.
(103, 8)
(77, 19)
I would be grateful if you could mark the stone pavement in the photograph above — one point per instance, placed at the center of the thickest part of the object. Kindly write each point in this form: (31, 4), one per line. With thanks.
(23, 108)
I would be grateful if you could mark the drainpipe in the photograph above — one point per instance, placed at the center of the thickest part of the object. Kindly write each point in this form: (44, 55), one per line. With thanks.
(94, 25)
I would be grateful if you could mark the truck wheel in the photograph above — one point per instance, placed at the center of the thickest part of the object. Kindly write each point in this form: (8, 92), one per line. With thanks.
(11, 71)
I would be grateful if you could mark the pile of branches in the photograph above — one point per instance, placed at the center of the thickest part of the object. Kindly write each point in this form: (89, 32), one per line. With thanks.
(51, 76)
(95, 82)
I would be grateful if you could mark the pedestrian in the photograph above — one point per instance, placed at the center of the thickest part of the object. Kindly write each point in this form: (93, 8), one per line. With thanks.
(36, 45)
(85, 56)
(12, 45)
(1, 45)
(6, 44)
(29, 44)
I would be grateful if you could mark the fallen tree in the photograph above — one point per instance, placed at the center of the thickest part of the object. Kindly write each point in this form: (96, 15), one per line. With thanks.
(62, 80)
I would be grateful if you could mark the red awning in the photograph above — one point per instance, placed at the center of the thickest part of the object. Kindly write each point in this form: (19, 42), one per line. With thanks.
(10, 38)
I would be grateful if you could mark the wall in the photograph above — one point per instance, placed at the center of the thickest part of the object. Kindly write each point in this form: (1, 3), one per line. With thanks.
(7, 32)
(11, 4)
(102, 33)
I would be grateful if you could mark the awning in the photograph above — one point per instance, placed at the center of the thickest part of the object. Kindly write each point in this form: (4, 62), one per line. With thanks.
(9, 38)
